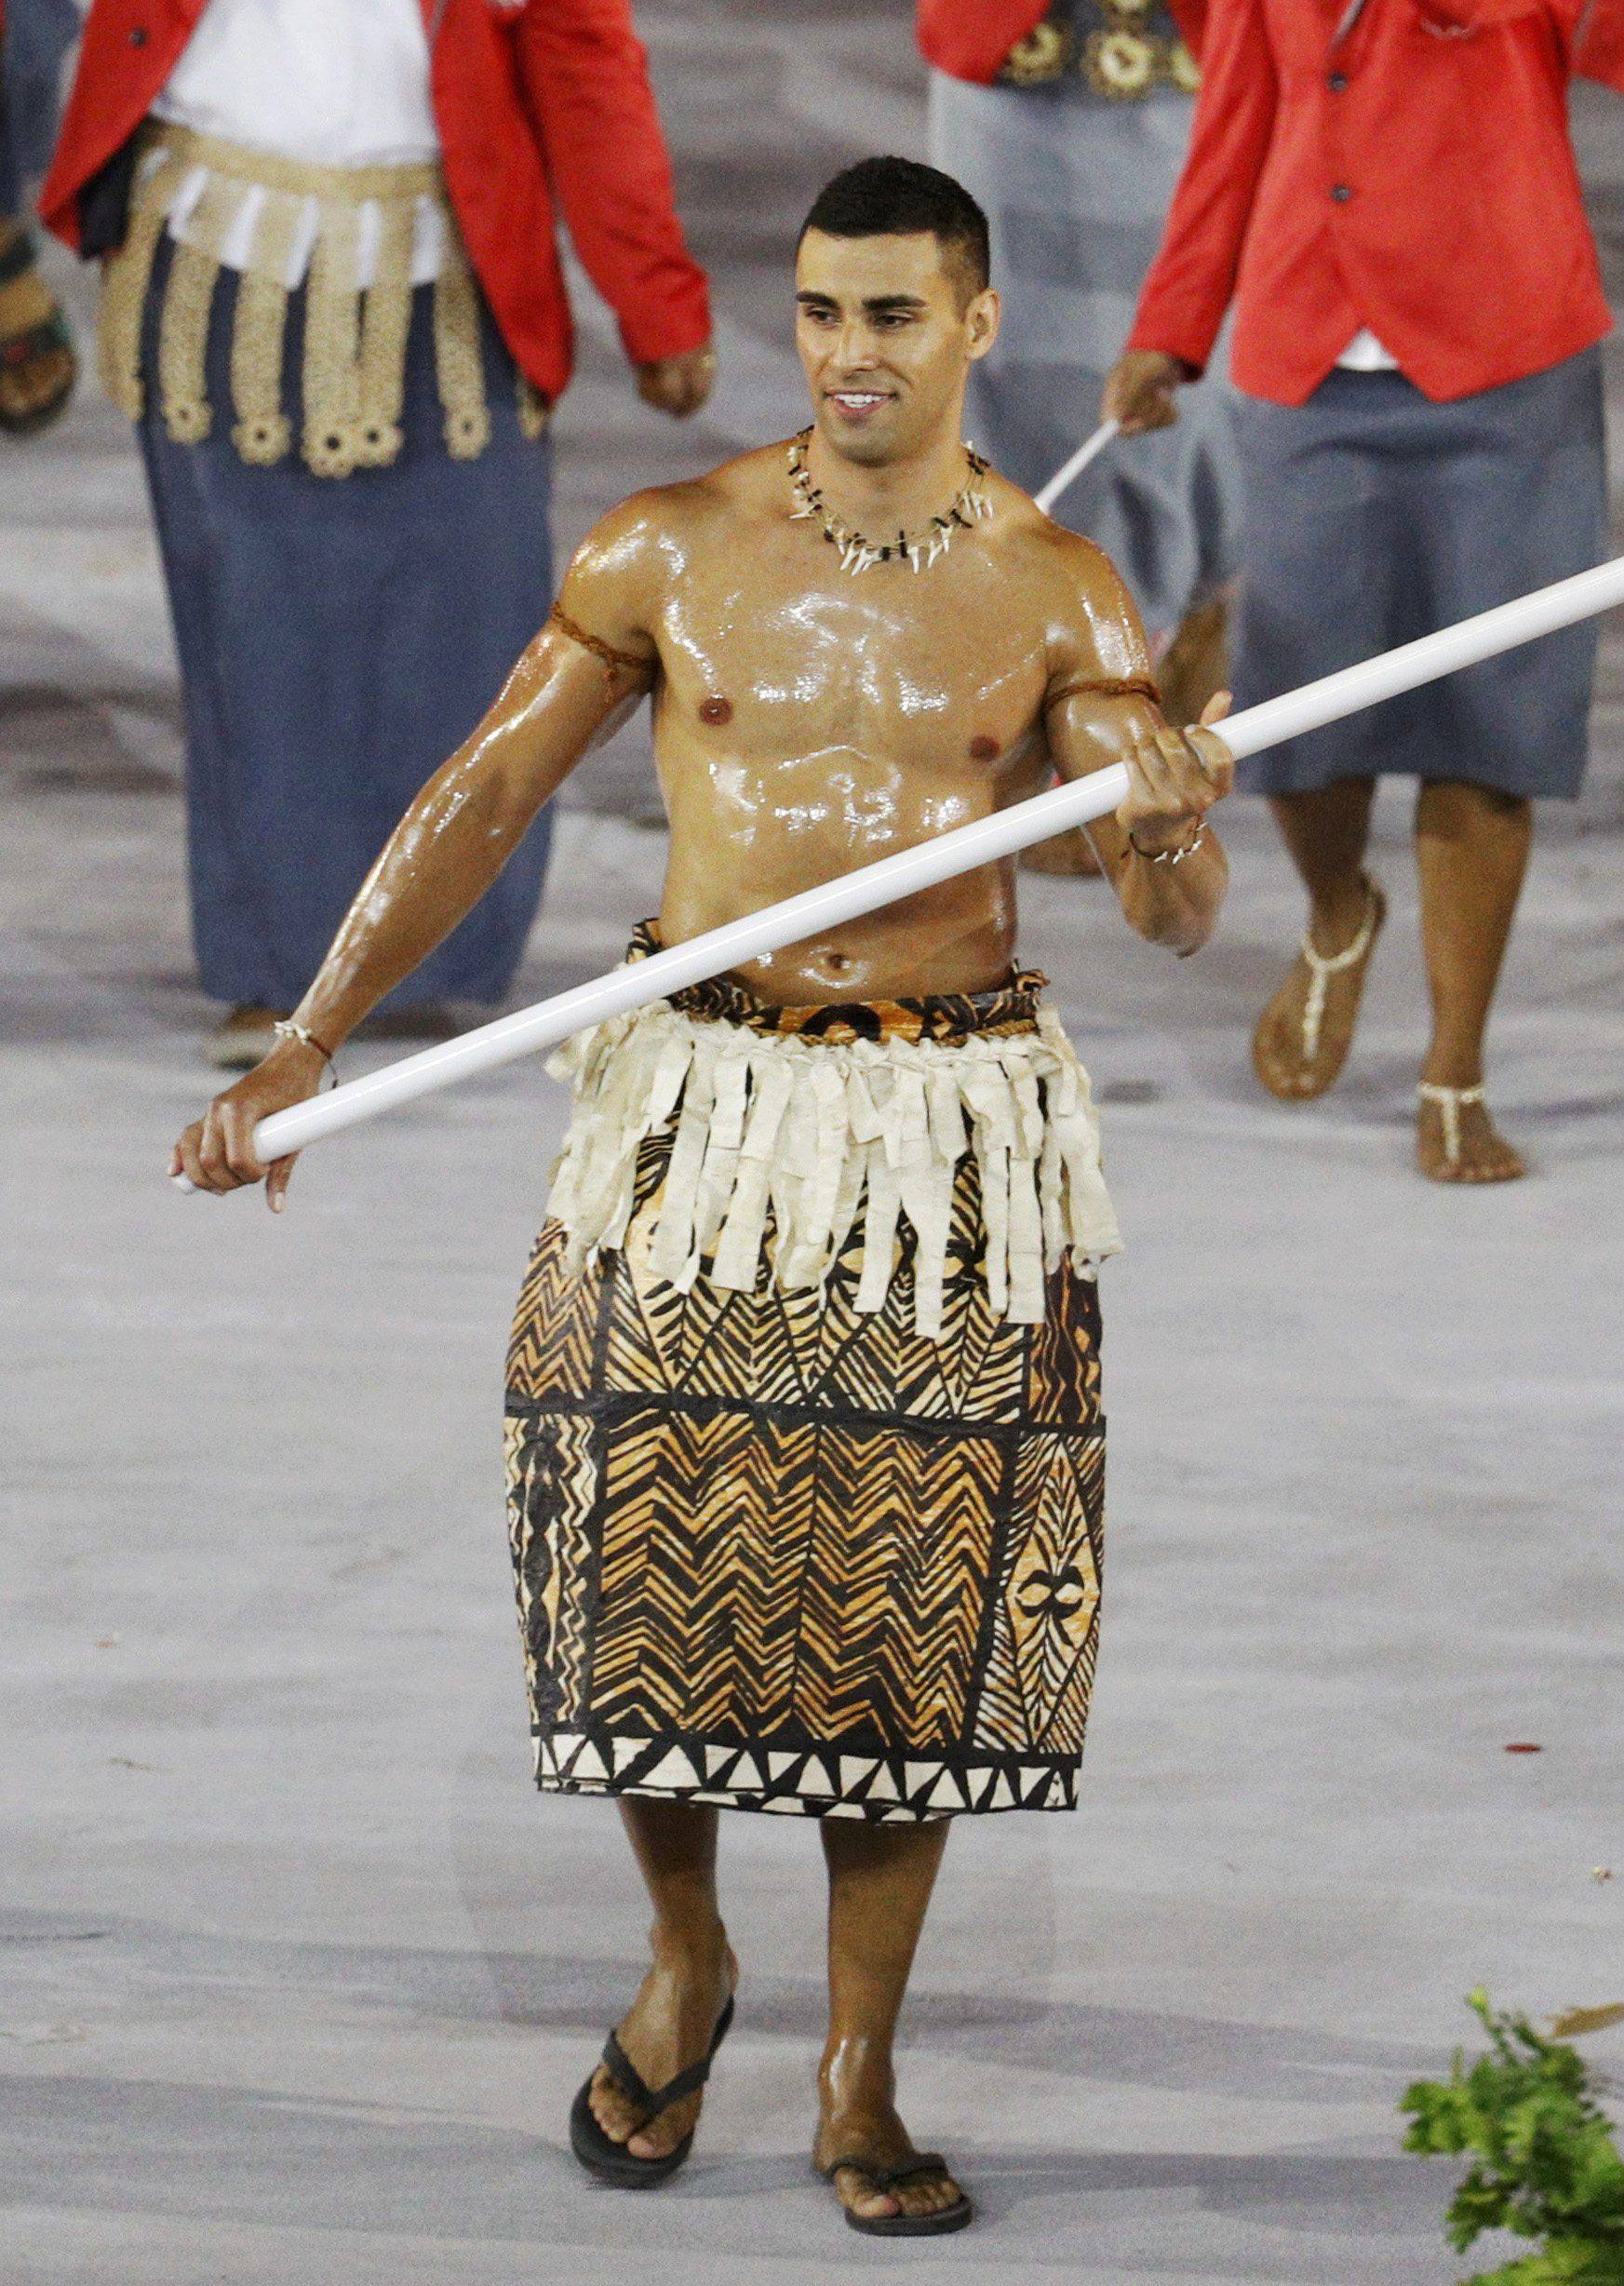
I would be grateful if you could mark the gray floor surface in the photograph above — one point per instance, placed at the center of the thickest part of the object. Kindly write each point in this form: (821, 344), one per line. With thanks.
(296, 1975)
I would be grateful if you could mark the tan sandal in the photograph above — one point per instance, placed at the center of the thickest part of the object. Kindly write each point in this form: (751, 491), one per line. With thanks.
(36, 346)
(1450, 1102)
(1320, 1064)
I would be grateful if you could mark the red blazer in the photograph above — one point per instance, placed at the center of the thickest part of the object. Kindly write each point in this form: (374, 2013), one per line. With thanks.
(1416, 177)
(541, 103)
(968, 39)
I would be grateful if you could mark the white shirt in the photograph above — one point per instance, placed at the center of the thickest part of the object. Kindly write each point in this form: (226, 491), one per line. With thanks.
(1365, 353)
(333, 83)
(337, 83)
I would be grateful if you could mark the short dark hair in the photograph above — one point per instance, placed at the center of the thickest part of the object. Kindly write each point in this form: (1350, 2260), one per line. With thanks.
(885, 196)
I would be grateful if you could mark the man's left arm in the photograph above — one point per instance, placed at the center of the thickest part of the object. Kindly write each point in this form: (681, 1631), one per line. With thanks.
(1162, 858)
(585, 81)
(1164, 861)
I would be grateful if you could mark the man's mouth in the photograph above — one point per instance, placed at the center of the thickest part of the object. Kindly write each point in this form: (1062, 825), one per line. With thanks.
(855, 402)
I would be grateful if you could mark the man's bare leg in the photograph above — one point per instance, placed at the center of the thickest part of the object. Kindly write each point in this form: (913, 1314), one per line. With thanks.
(670, 2023)
(880, 1879)
(1299, 1055)
(1471, 853)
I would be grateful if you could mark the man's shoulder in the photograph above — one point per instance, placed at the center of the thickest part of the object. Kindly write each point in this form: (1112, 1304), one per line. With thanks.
(693, 504)
(1072, 587)
(1049, 549)
(1071, 571)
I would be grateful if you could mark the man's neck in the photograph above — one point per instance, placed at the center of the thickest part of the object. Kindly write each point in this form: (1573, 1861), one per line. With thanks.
(895, 496)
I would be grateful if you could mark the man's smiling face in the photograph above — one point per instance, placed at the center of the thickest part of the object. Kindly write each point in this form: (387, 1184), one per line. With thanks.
(887, 331)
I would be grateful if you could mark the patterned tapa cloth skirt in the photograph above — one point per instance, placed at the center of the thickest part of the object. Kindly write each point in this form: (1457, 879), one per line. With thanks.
(1076, 188)
(1373, 515)
(338, 637)
(804, 1440)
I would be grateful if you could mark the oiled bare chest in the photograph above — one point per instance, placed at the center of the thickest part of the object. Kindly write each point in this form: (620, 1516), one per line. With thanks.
(880, 665)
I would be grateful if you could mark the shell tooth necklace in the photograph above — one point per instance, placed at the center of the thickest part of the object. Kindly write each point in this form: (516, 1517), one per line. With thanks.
(969, 503)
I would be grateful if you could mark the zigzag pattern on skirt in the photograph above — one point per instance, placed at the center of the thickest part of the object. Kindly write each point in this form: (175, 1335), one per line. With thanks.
(777, 1551)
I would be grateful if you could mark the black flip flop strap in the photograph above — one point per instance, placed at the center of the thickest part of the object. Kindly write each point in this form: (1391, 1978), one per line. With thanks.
(653, 2101)
(626, 2076)
(887, 2178)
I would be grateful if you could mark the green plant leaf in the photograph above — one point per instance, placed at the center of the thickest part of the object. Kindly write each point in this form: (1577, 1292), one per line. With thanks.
(1545, 2166)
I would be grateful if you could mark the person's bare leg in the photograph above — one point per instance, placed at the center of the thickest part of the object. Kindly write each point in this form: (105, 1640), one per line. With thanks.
(1298, 1051)
(1471, 853)
(880, 1879)
(670, 2023)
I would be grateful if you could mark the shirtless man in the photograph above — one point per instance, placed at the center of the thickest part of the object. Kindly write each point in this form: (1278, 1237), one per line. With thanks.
(901, 1184)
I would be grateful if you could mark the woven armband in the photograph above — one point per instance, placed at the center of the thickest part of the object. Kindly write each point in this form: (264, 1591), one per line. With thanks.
(614, 662)
(1106, 686)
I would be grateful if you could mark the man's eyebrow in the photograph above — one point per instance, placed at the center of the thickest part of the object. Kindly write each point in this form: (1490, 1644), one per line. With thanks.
(877, 305)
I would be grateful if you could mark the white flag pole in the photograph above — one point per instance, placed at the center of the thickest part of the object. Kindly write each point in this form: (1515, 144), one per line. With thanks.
(983, 841)
(1068, 472)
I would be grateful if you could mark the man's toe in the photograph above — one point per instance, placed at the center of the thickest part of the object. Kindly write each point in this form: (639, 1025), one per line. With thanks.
(930, 2196)
(662, 2135)
(862, 2196)
(609, 2108)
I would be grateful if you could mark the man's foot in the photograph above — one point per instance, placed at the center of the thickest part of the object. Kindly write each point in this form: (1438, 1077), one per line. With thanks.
(879, 2139)
(667, 2027)
(1458, 1142)
(1303, 1036)
(38, 366)
(245, 1038)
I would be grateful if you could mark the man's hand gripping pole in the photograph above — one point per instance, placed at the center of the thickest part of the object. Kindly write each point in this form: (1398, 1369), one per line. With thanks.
(981, 843)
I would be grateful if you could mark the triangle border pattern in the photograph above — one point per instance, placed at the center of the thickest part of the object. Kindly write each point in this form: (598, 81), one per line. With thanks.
(833, 1781)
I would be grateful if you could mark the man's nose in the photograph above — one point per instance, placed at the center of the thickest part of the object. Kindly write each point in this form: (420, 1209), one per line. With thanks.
(854, 347)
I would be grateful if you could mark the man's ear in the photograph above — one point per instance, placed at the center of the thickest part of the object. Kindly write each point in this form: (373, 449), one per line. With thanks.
(982, 320)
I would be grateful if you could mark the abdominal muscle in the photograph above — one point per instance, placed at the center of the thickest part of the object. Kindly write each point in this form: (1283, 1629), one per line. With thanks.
(744, 836)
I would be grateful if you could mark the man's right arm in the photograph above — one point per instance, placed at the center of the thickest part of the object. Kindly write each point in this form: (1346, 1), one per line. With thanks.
(594, 657)
(593, 654)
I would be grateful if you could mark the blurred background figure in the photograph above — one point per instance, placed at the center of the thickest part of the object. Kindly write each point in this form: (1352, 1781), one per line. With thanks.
(37, 364)
(1070, 124)
(334, 307)
(1389, 192)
